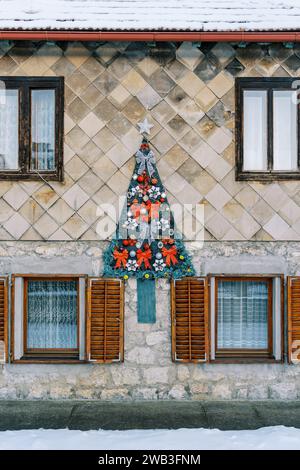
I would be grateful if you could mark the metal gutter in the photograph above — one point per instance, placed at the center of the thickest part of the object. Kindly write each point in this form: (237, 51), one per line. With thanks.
(160, 36)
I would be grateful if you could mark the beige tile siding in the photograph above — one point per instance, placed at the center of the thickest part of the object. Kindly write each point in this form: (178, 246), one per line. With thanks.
(187, 94)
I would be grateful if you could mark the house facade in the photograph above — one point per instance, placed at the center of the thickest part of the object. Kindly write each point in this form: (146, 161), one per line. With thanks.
(225, 129)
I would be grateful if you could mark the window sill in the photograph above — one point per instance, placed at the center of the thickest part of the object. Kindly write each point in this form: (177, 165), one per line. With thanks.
(18, 176)
(48, 360)
(246, 360)
(266, 176)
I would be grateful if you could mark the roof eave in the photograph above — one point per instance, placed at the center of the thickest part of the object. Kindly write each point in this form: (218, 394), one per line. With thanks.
(161, 36)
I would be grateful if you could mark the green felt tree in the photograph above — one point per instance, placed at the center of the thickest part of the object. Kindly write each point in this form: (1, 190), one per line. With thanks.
(145, 244)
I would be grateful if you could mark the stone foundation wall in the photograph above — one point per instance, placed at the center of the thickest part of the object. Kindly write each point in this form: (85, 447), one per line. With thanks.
(148, 373)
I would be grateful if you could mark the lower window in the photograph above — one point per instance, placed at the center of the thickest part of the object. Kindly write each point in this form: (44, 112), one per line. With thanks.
(51, 317)
(246, 318)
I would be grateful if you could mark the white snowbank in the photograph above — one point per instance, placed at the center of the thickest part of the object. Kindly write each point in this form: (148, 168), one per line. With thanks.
(276, 437)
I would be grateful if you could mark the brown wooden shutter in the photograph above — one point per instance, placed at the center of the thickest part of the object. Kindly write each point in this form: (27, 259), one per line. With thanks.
(293, 318)
(105, 328)
(3, 320)
(189, 320)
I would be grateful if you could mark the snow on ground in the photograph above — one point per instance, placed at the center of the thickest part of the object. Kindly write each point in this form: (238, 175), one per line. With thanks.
(276, 437)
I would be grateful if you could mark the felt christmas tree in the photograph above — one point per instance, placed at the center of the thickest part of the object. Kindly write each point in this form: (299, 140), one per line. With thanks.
(145, 244)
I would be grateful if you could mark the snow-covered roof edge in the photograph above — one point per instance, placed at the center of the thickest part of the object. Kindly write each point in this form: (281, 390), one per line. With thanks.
(150, 15)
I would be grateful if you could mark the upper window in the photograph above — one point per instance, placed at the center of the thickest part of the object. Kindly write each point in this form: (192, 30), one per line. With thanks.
(31, 128)
(267, 129)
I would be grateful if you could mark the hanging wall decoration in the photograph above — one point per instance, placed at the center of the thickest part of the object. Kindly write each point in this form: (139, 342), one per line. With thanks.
(146, 245)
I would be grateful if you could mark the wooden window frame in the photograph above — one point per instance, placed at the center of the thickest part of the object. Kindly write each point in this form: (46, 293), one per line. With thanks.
(64, 356)
(268, 84)
(239, 356)
(24, 85)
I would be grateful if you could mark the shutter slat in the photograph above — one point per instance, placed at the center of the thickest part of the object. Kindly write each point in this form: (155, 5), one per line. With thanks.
(294, 318)
(189, 320)
(3, 319)
(105, 320)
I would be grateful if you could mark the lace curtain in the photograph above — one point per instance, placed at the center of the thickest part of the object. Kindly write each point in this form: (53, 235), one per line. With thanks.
(242, 315)
(43, 129)
(52, 314)
(9, 129)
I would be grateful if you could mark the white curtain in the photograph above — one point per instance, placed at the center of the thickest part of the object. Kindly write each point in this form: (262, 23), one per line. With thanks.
(9, 130)
(242, 315)
(285, 130)
(255, 130)
(42, 129)
(52, 314)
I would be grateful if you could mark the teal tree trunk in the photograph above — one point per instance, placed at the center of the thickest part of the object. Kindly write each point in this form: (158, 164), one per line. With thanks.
(145, 245)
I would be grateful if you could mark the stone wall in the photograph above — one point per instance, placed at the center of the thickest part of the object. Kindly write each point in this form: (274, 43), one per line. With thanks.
(187, 93)
(148, 372)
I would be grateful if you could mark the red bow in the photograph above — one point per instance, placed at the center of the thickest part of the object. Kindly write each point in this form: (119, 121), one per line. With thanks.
(121, 258)
(143, 257)
(169, 254)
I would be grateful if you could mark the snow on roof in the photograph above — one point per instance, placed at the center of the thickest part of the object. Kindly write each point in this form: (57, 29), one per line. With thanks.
(137, 15)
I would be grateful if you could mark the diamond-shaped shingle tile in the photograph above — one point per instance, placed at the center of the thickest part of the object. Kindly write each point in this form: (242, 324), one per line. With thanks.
(60, 211)
(91, 124)
(118, 183)
(119, 96)
(189, 55)
(75, 226)
(45, 226)
(247, 197)
(45, 196)
(290, 212)
(203, 154)
(177, 127)
(134, 82)
(220, 139)
(218, 197)
(16, 196)
(206, 99)
(31, 211)
(16, 225)
(6, 211)
(275, 196)
(76, 53)
(90, 182)
(75, 197)
(60, 235)
(218, 168)
(77, 82)
(235, 67)
(91, 68)
(276, 227)
(191, 84)
(119, 154)
(104, 168)
(223, 52)
(148, 97)
(105, 139)
(89, 212)
(218, 226)
(76, 168)
(106, 83)
(161, 82)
